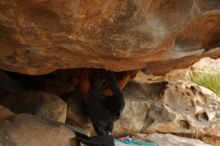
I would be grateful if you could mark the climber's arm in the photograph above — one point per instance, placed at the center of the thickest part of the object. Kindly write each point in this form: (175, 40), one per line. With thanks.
(84, 85)
(122, 79)
(95, 88)
(113, 84)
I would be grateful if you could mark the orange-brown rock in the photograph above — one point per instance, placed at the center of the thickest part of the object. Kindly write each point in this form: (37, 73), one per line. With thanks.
(5, 113)
(39, 36)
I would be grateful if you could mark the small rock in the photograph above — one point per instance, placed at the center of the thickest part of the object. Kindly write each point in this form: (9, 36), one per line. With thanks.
(5, 113)
(27, 130)
(42, 104)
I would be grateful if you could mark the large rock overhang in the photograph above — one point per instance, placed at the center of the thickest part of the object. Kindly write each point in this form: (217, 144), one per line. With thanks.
(40, 36)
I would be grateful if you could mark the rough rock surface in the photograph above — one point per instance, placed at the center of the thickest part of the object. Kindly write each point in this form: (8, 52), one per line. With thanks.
(41, 104)
(138, 101)
(177, 108)
(214, 141)
(170, 140)
(39, 36)
(27, 130)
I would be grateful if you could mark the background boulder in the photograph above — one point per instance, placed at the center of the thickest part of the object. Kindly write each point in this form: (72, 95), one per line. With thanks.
(27, 130)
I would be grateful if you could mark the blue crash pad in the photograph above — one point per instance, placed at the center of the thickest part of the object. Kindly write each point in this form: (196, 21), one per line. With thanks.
(129, 142)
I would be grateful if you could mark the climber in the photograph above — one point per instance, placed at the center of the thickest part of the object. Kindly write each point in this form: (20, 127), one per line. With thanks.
(104, 110)
(103, 98)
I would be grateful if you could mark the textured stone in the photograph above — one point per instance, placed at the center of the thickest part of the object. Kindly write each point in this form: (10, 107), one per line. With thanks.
(170, 140)
(41, 104)
(177, 107)
(138, 100)
(39, 36)
(27, 130)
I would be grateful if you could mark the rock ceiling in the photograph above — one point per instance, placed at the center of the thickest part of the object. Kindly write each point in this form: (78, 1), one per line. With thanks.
(40, 36)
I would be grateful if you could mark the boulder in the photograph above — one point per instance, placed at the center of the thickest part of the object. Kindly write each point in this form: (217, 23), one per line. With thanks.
(40, 36)
(184, 108)
(170, 140)
(27, 130)
(204, 66)
(173, 107)
(41, 104)
(139, 98)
